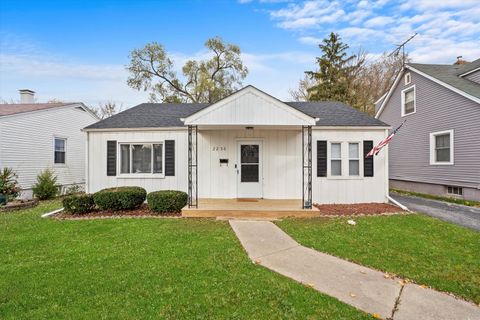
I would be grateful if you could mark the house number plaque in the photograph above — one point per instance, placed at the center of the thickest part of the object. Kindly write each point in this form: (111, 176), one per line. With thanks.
(219, 148)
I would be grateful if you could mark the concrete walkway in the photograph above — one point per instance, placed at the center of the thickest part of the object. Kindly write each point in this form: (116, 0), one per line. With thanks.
(462, 215)
(361, 287)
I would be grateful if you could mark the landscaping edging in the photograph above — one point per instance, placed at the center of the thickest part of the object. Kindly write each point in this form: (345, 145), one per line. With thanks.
(119, 216)
(21, 205)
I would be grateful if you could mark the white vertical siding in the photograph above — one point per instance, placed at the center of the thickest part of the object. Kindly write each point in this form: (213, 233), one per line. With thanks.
(26, 144)
(250, 107)
(282, 166)
(347, 189)
(282, 163)
(97, 161)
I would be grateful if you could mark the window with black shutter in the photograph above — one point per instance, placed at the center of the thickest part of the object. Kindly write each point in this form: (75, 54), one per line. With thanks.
(111, 158)
(169, 157)
(321, 158)
(367, 162)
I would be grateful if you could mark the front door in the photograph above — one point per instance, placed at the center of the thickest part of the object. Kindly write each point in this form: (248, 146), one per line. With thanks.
(249, 169)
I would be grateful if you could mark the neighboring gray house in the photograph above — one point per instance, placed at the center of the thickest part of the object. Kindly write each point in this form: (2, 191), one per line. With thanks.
(437, 151)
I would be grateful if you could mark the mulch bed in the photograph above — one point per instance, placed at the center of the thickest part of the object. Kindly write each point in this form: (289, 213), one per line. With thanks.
(142, 212)
(357, 209)
(18, 204)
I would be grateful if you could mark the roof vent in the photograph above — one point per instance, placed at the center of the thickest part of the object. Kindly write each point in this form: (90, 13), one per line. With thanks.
(27, 96)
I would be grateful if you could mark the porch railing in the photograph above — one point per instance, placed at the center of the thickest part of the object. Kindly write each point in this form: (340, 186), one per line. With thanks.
(307, 167)
(193, 166)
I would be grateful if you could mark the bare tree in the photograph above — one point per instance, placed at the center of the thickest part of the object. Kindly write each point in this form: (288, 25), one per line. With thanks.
(107, 109)
(210, 80)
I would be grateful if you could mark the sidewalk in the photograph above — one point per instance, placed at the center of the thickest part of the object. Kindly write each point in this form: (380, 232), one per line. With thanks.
(361, 287)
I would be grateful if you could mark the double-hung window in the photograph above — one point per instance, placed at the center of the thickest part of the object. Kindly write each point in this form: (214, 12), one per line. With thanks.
(336, 159)
(141, 158)
(441, 147)
(60, 151)
(408, 101)
(354, 159)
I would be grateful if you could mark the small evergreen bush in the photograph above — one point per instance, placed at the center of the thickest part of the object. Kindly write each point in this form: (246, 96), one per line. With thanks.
(168, 201)
(46, 186)
(121, 198)
(79, 204)
(9, 188)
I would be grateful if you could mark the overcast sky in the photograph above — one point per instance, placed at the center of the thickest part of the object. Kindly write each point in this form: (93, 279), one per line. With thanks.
(77, 50)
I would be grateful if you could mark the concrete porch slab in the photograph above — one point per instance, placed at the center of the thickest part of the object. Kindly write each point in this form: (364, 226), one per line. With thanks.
(249, 208)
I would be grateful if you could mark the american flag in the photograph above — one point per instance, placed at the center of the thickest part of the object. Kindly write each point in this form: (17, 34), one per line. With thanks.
(384, 142)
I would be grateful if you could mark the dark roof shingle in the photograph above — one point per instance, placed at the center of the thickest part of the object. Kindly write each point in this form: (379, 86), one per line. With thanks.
(449, 74)
(154, 115)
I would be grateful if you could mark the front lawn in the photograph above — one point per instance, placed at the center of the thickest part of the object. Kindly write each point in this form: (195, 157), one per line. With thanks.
(426, 250)
(142, 268)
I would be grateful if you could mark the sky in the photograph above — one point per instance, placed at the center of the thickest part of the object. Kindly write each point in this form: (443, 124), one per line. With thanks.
(77, 50)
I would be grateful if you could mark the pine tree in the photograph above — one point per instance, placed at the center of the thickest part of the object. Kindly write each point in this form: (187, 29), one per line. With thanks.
(334, 68)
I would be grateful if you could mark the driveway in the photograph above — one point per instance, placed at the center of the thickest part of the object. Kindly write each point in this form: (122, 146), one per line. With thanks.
(462, 215)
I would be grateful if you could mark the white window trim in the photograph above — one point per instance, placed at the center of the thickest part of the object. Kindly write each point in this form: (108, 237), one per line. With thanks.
(345, 161)
(66, 150)
(329, 158)
(432, 147)
(408, 77)
(414, 101)
(140, 175)
(360, 173)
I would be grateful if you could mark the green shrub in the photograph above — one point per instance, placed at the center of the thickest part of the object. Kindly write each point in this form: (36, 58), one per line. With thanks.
(121, 198)
(79, 204)
(46, 186)
(168, 201)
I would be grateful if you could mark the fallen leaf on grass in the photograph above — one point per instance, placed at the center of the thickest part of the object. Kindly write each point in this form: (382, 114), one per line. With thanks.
(376, 315)
(258, 261)
(310, 285)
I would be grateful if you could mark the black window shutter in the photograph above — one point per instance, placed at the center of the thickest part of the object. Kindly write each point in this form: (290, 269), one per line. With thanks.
(169, 157)
(367, 162)
(321, 158)
(111, 158)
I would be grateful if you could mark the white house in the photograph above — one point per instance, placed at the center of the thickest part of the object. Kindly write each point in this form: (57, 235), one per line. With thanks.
(247, 145)
(37, 136)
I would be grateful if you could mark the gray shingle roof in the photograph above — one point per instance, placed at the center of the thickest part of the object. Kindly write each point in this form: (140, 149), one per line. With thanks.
(449, 74)
(153, 115)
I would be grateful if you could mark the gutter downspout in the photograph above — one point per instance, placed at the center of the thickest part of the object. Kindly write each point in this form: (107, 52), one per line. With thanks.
(398, 204)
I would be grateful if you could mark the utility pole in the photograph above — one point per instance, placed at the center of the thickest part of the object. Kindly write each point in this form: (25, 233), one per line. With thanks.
(401, 48)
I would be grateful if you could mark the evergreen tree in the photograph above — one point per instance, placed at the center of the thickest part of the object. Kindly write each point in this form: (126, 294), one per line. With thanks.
(334, 68)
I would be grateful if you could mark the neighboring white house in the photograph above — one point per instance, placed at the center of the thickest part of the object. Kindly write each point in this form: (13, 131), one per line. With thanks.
(247, 145)
(37, 136)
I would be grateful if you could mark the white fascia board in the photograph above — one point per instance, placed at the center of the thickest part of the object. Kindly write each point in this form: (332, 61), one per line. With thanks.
(468, 72)
(135, 129)
(389, 93)
(191, 120)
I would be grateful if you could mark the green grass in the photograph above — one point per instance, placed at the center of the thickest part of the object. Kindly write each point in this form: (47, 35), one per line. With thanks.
(470, 203)
(426, 250)
(142, 268)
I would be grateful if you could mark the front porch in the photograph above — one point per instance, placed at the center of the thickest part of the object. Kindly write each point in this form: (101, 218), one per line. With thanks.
(249, 208)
